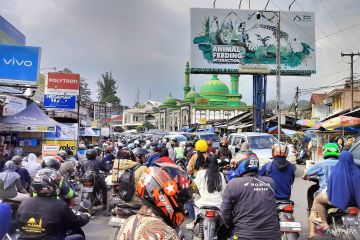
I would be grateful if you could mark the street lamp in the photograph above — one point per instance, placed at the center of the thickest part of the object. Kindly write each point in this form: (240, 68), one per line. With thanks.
(278, 64)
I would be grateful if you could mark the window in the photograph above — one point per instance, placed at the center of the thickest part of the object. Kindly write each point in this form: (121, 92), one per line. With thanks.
(231, 139)
(237, 141)
(261, 142)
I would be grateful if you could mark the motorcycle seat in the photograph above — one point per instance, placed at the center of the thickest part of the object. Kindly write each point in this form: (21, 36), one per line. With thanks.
(133, 206)
(280, 202)
(210, 208)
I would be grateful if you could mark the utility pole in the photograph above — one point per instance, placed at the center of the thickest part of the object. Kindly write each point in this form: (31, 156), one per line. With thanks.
(351, 55)
(278, 74)
(296, 103)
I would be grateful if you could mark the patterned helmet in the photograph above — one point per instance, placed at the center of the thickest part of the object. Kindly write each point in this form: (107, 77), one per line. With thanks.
(45, 183)
(244, 162)
(164, 188)
(280, 150)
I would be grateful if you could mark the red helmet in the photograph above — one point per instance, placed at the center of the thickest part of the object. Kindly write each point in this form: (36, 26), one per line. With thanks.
(224, 143)
(279, 150)
(164, 188)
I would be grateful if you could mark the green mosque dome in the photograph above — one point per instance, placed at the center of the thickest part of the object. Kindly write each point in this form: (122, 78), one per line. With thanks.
(170, 101)
(192, 95)
(215, 91)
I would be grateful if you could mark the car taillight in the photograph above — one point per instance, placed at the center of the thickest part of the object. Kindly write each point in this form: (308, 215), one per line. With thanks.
(87, 183)
(288, 208)
(210, 214)
(352, 211)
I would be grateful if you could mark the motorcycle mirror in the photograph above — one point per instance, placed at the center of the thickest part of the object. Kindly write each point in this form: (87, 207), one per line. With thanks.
(86, 204)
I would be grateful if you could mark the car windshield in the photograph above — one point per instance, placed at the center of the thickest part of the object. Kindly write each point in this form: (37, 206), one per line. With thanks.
(212, 137)
(261, 142)
(180, 138)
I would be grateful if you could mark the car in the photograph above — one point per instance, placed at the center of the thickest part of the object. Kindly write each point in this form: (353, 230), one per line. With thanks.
(355, 150)
(259, 143)
(178, 137)
(206, 136)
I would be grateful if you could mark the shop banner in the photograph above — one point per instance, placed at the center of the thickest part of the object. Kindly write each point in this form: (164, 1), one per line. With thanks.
(245, 41)
(63, 83)
(19, 64)
(59, 102)
(13, 105)
(64, 144)
(49, 150)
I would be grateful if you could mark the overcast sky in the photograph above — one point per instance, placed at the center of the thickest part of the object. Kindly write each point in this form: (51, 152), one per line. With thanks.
(146, 43)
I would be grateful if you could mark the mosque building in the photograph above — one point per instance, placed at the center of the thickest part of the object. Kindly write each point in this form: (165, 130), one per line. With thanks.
(214, 102)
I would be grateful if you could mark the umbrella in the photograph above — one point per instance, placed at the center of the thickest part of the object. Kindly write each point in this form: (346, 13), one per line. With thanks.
(140, 151)
(341, 121)
(305, 122)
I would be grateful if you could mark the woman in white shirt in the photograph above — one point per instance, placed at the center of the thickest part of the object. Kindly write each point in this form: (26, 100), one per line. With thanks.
(210, 183)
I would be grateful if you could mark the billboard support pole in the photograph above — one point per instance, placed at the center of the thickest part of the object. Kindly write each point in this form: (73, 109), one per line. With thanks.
(78, 115)
(278, 74)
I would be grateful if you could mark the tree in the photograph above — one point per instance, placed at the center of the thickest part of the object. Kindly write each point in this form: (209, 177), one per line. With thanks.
(107, 89)
(148, 125)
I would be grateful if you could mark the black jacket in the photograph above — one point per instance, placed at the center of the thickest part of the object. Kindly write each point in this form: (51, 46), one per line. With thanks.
(47, 218)
(94, 165)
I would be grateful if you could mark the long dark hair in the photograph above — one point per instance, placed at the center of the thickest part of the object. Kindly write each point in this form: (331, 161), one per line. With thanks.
(212, 175)
(200, 161)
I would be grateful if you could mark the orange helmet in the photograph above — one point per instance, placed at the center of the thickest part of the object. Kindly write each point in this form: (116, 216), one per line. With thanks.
(224, 143)
(279, 150)
(164, 188)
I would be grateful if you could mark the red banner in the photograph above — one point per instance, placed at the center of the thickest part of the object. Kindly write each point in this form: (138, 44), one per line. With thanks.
(63, 83)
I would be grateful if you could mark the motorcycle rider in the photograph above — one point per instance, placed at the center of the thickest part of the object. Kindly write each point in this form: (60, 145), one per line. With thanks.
(45, 217)
(81, 153)
(322, 170)
(65, 190)
(281, 171)
(224, 152)
(198, 159)
(10, 185)
(109, 156)
(248, 203)
(95, 165)
(154, 156)
(67, 167)
(163, 204)
(211, 149)
(5, 219)
(25, 178)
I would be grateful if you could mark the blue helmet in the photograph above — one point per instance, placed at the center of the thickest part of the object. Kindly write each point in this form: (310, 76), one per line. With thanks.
(244, 162)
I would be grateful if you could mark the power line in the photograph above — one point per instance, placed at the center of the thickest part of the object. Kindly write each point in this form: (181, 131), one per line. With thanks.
(340, 31)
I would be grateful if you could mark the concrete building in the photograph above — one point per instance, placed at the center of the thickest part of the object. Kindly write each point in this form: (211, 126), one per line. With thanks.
(137, 116)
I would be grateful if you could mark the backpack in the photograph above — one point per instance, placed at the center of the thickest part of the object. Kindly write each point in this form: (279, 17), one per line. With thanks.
(127, 183)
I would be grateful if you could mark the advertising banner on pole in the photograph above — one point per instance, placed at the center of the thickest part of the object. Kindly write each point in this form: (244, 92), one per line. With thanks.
(59, 102)
(245, 41)
(19, 64)
(63, 83)
(9, 34)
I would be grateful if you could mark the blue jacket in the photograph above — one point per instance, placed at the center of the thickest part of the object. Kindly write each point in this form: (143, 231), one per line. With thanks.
(283, 174)
(152, 159)
(323, 170)
(5, 219)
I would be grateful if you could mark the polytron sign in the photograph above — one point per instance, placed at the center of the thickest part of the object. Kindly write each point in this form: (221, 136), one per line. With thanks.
(63, 83)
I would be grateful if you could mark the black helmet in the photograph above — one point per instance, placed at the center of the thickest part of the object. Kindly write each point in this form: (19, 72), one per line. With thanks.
(98, 149)
(16, 159)
(90, 146)
(50, 162)
(63, 154)
(91, 154)
(69, 152)
(45, 183)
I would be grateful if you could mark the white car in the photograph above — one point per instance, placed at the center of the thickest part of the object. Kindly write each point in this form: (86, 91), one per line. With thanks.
(179, 138)
(259, 143)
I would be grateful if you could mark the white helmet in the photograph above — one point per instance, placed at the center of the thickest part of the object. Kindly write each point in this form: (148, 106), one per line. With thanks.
(136, 142)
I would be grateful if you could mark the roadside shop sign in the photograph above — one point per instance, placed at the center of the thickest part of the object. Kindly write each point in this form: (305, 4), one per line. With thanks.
(59, 102)
(225, 41)
(19, 64)
(63, 144)
(50, 150)
(62, 83)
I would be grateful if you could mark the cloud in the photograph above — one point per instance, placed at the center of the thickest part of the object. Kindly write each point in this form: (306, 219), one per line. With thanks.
(147, 43)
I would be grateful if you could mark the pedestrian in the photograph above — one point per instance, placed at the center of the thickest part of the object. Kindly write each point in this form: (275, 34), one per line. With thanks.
(32, 164)
(340, 143)
(349, 141)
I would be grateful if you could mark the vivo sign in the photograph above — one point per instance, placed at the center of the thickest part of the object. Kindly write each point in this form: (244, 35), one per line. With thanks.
(19, 64)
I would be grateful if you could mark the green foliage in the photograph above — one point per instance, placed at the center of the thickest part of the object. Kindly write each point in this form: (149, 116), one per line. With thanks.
(148, 125)
(107, 89)
(140, 128)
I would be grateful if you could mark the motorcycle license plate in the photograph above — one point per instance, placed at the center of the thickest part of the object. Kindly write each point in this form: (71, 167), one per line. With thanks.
(116, 222)
(88, 189)
(351, 220)
(290, 226)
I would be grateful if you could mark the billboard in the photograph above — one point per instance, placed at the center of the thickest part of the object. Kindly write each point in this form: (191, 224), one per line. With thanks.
(9, 34)
(63, 83)
(13, 105)
(59, 102)
(19, 64)
(245, 41)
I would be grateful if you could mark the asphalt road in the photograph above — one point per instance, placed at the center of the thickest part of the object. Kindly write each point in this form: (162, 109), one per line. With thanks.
(98, 227)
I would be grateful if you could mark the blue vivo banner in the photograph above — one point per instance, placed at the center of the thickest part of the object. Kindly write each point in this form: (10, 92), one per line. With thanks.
(19, 64)
(59, 102)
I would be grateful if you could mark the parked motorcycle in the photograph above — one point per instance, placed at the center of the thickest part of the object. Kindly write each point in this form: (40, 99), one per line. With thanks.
(207, 223)
(290, 229)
